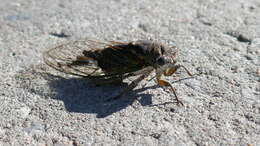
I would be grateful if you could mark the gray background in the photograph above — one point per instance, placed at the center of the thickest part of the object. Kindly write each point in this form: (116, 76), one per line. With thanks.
(220, 38)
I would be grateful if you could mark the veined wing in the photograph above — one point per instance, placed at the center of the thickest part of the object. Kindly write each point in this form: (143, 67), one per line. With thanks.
(68, 58)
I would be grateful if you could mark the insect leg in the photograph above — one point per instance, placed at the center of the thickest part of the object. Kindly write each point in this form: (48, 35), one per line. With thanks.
(167, 84)
(131, 86)
(172, 70)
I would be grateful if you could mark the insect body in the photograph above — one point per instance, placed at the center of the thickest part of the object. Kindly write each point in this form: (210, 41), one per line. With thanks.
(112, 62)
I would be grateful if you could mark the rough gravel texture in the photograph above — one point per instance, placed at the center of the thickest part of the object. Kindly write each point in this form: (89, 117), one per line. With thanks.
(220, 38)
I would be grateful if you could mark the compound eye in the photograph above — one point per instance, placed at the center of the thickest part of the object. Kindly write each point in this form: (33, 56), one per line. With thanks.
(161, 61)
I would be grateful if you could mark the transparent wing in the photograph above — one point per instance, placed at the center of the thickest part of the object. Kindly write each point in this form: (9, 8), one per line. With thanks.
(63, 58)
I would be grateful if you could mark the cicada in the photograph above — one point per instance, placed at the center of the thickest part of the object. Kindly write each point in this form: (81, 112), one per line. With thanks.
(110, 62)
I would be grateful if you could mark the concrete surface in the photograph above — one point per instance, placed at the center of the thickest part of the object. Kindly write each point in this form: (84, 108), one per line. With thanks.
(220, 38)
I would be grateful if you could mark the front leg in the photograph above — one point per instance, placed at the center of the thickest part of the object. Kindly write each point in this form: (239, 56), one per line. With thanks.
(167, 84)
(172, 70)
(168, 72)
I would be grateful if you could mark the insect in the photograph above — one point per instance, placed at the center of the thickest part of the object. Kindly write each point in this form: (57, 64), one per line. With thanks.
(111, 62)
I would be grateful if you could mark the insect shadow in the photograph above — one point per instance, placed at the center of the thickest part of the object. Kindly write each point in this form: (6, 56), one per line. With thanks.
(82, 96)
